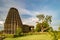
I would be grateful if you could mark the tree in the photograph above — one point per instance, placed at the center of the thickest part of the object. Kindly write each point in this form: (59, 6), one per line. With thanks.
(41, 17)
(45, 22)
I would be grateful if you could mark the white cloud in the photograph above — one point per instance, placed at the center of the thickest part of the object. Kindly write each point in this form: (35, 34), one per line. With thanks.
(1, 22)
(1, 25)
(55, 27)
(30, 21)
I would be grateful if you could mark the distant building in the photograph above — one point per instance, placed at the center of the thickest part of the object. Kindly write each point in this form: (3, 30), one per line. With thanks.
(27, 28)
(13, 21)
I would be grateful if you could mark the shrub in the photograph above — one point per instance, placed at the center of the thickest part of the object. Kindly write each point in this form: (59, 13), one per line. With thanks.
(18, 32)
(9, 35)
(38, 28)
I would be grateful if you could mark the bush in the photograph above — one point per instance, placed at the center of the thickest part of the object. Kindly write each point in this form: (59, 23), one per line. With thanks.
(38, 28)
(18, 32)
(9, 35)
(54, 34)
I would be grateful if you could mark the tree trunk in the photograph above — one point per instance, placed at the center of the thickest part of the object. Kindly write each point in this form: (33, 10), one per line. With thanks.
(43, 29)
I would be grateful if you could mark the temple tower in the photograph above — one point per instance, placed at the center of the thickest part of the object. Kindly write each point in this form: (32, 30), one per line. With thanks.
(12, 22)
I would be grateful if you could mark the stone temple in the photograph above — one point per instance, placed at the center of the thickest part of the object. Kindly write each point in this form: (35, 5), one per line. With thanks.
(13, 21)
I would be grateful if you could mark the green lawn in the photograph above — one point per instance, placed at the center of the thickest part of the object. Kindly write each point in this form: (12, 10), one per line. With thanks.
(33, 37)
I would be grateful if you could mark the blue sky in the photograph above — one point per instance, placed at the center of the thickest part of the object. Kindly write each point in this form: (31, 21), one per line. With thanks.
(28, 9)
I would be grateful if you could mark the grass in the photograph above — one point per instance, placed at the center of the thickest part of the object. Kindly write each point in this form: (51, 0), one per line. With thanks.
(44, 36)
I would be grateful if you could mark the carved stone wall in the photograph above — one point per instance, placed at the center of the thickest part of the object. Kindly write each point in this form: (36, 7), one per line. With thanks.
(12, 22)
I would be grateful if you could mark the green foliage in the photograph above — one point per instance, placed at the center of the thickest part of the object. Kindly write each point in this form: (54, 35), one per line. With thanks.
(48, 18)
(9, 35)
(50, 29)
(59, 28)
(58, 34)
(38, 27)
(40, 17)
(45, 24)
(55, 35)
(18, 31)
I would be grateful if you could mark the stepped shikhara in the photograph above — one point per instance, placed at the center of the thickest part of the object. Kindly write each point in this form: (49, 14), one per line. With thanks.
(12, 22)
